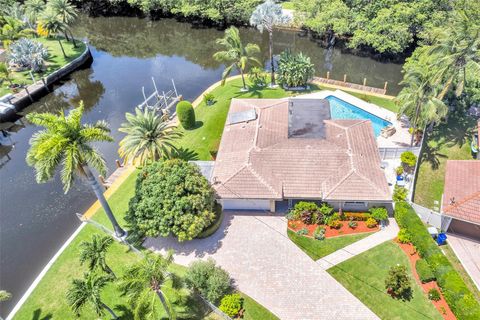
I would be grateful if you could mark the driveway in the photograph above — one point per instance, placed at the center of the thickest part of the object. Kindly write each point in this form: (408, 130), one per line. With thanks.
(254, 248)
(468, 252)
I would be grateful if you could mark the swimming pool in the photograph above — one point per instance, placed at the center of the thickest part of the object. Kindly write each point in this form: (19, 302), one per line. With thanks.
(340, 109)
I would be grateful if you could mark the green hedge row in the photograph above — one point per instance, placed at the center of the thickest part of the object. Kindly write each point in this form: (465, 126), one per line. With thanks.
(459, 298)
(425, 273)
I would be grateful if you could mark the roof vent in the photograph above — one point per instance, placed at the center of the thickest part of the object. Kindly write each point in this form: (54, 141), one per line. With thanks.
(452, 201)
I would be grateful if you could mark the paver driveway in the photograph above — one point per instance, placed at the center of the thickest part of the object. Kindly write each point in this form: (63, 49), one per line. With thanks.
(468, 252)
(254, 248)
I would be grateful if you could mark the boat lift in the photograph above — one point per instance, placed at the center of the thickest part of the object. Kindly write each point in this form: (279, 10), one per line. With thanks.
(163, 102)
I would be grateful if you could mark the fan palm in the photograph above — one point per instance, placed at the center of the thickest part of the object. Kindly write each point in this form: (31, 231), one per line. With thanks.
(52, 24)
(66, 11)
(266, 16)
(94, 253)
(148, 138)
(65, 142)
(88, 291)
(33, 10)
(235, 53)
(143, 280)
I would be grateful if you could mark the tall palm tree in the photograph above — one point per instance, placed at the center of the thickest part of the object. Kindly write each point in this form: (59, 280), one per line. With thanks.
(266, 16)
(144, 279)
(236, 54)
(94, 253)
(88, 291)
(33, 10)
(148, 138)
(66, 142)
(52, 24)
(67, 12)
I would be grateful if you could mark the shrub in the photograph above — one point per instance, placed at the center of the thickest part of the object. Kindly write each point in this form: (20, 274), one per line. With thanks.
(334, 221)
(302, 232)
(399, 170)
(398, 283)
(294, 70)
(28, 54)
(211, 281)
(352, 224)
(306, 211)
(403, 236)
(371, 223)
(257, 76)
(326, 209)
(208, 231)
(379, 213)
(357, 216)
(171, 197)
(186, 114)
(231, 304)
(293, 215)
(408, 159)
(399, 193)
(433, 294)
(424, 271)
(209, 99)
(456, 293)
(319, 233)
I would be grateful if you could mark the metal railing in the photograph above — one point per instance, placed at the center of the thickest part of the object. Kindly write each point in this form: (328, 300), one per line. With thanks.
(395, 152)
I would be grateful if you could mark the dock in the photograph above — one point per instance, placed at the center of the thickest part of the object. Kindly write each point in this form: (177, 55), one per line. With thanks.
(352, 86)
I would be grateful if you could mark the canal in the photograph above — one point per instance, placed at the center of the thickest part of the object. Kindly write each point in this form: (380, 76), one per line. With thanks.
(36, 219)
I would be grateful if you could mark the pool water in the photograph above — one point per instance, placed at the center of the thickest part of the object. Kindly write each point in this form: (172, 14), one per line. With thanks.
(340, 109)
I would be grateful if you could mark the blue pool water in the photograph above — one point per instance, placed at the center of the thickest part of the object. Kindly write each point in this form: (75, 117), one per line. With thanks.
(340, 109)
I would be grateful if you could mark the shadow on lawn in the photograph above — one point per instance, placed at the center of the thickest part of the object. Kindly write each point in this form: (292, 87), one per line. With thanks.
(432, 155)
(37, 315)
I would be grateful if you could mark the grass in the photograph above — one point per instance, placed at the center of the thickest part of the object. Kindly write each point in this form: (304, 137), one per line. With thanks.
(255, 311)
(450, 254)
(317, 249)
(448, 141)
(54, 61)
(364, 276)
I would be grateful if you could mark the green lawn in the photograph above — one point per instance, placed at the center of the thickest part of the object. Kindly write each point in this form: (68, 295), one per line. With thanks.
(55, 61)
(448, 141)
(317, 249)
(364, 276)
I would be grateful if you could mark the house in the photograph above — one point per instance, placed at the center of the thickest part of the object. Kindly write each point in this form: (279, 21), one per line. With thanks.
(461, 198)
(275, 151)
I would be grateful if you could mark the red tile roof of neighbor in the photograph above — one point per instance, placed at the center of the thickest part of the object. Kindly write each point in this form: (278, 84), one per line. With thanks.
(257, 159)
(462, 185)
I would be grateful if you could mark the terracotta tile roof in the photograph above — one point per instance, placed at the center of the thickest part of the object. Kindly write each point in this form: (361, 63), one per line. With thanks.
(461, 197)
(258, 160)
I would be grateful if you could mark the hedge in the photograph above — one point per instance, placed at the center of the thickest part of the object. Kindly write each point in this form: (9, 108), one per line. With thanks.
(186, 114)
(357, 216)
(459, 298)
(207, 232)
(424, 271)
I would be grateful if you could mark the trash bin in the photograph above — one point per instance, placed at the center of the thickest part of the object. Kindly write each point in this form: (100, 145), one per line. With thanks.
(442, 237)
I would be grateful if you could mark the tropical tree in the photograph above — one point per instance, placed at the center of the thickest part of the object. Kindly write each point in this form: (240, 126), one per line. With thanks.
(267, 16)
(13, 29)
(236, 53)
(67, 12)
(144, 280)
(88, 291)
(52, 24)
(148, 139)
(5, 73)
(94, 253)
(66, 142)
(33, 10)
(294, 70)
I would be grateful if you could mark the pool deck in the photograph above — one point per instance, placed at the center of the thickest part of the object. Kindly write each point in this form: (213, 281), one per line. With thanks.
(400, 139)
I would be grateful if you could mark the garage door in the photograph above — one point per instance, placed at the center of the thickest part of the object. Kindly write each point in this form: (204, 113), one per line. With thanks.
(244, 204)
(466, 229)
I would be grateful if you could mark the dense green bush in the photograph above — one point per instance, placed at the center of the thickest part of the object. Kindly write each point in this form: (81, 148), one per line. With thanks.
(186, 114)
(424, 271)
(399, 193)
(308, 212)
(379, 213)
(334, 221)
(371, 223)
(211, 229)
(408, 159)
(231, 304)
(319, 233)
(433, 294)
(171, 197)
(211, 281)
(357, 216)
(326, 209)
(294, 70)
(403, 236)
(459, 298)
(398, 282)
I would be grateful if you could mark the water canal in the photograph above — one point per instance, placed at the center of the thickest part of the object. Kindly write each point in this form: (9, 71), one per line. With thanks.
(35, 219)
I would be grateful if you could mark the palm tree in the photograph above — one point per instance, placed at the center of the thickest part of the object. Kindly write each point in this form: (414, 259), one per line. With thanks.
(148, 138)
(267, 16)
(235, 53)
(67, 12)
(13, 29)
(52, 24)
(65, 142)
(144, 279)
(88, 291)
(33, 10)
(94, 253)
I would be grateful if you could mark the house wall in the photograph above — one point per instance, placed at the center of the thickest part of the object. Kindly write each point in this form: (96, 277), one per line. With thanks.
(360, 206)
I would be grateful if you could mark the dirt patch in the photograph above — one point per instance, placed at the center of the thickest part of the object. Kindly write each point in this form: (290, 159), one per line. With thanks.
(296, 225)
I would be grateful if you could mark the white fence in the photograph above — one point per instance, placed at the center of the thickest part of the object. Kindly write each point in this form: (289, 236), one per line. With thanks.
(431, 217)
(394, 153)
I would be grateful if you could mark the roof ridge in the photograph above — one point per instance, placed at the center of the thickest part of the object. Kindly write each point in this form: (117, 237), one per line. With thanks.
(374, 185)
(462, 201)
(235, 174)
(338, 183)
(261, 179)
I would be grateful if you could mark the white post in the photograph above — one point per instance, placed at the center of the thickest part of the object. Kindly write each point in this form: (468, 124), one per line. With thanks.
(155, 86)
(174, 88)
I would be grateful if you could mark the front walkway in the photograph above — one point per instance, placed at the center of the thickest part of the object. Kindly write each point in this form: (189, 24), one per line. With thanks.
(386, 234)
(468, 252)
(254, 248)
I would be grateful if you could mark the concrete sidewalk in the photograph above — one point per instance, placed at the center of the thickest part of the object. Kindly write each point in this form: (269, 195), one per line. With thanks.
(388, 233)
(468, 252)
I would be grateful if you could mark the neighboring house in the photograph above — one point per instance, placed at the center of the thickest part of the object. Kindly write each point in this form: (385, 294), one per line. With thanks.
(276, 150)
(461, 197)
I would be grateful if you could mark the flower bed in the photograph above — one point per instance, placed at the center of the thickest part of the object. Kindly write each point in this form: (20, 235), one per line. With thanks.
(296, 225)
(441, 304)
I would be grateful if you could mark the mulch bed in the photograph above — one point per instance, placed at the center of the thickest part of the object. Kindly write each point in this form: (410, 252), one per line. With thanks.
(441, 304)
(296, 225)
